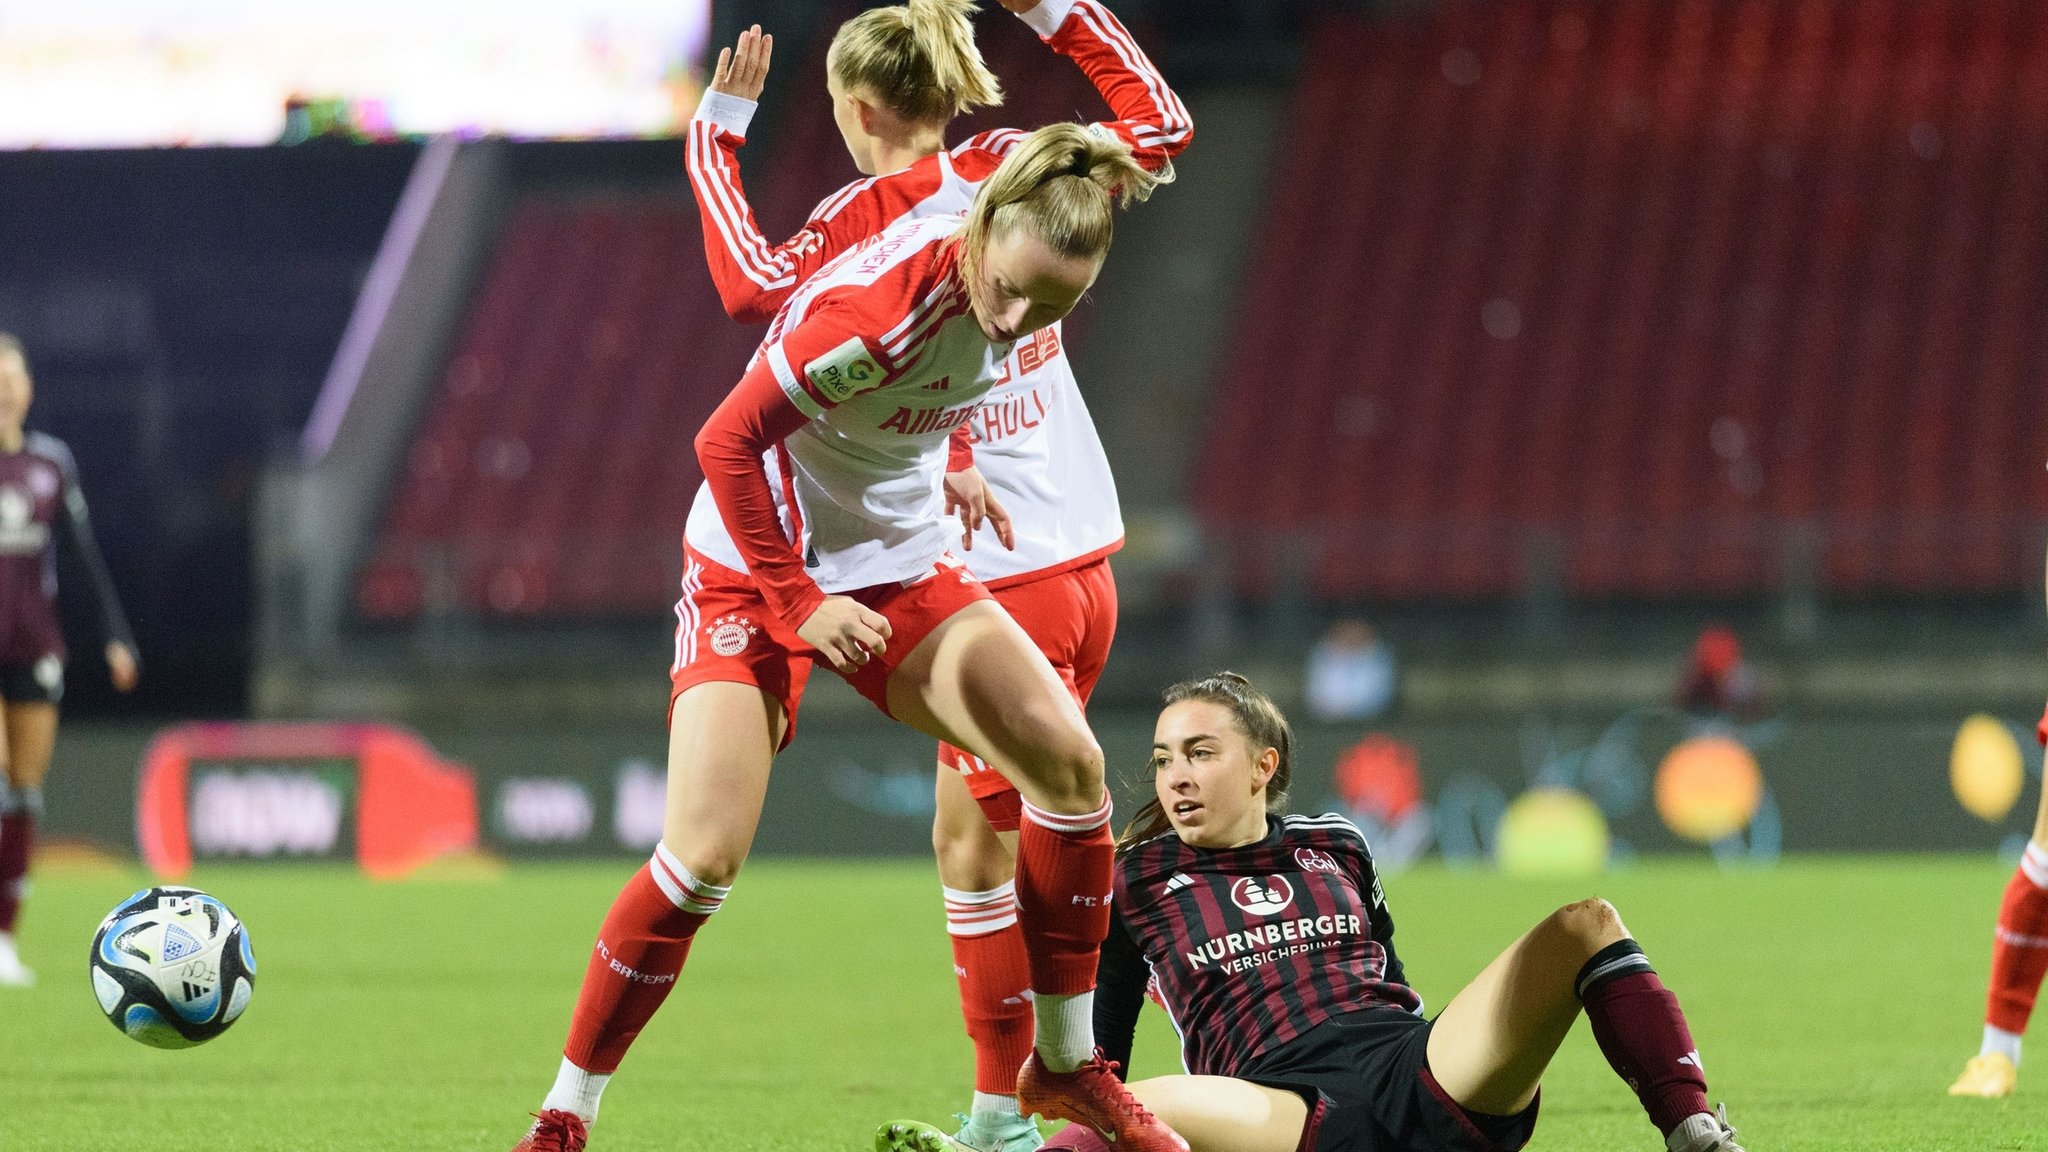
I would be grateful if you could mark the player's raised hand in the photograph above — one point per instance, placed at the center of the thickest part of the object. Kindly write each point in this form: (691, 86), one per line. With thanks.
(846, 631)
(122, 667)
(1018, 7)
(743, 70)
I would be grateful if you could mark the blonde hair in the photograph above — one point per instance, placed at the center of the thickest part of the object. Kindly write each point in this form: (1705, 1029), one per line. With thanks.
(9, 342)
(1061, 185)
(1258, 718)
(918, 58)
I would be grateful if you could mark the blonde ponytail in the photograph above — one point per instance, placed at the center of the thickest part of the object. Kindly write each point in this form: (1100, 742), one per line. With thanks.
(1062, 185)
(919, 59)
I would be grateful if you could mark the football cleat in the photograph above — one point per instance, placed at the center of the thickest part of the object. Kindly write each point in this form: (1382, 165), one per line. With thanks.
(13, 973)
(1092, 1095)
(1991, 1075)
(1705, 1132)
(992, 1134)
(998, 1132)
(554, 1131)
(915, 1136)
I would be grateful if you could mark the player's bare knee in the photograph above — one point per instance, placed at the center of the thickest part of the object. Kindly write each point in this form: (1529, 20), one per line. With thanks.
(1592, 923)
(1070, 773)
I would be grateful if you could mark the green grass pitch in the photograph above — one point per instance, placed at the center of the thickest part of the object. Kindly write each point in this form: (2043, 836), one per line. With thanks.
(1833, 1000)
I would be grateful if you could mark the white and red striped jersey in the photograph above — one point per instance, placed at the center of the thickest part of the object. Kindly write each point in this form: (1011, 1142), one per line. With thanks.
(1034, 441)
(823, 468)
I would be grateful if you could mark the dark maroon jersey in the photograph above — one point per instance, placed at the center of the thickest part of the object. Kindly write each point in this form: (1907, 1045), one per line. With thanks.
(40, 504)
(1249, 947)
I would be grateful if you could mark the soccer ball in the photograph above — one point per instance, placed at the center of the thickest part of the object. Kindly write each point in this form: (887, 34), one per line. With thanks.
(171, 967)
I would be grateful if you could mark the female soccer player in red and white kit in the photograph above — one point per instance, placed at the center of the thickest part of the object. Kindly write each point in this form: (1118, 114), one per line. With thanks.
(1272, 948)
(2019, 959)
(819, 532)
(41, 505)
(897, 76)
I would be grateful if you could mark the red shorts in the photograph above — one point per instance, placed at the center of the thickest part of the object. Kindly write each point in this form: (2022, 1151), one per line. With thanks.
(1071, 616)
(725, 632)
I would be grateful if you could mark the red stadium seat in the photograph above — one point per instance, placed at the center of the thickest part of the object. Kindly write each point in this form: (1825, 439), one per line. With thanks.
(1681, 284)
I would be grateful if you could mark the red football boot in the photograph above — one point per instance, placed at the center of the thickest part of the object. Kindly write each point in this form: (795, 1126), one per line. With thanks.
(1092, 1095)
(554, 1131)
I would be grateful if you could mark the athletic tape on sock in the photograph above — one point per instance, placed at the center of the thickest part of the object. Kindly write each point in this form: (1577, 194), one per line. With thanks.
(29, 800)
(1622, 958)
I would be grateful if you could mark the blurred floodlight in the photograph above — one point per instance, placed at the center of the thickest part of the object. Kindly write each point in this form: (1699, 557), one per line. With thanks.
(115, 73)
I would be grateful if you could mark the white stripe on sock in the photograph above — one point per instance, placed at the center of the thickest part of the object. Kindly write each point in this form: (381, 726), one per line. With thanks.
(1068, 823)
(2034, 864)
(682, 889)
(980, 913)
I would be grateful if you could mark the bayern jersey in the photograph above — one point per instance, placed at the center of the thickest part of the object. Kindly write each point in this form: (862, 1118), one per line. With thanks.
(1034, 440)
(881, 352)
(1249, 947)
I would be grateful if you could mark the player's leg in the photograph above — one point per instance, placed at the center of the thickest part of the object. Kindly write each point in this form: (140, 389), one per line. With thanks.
(976, 849)
(1488, 1049)
(722, 738)
(2019, 959)
(977, 681)
(1213, 1113)
(31, 735)
(13, 973)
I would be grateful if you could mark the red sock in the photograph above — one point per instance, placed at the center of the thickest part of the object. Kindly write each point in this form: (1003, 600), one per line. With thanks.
(1064, 868)
(640, 951)
(995, 983)
(17, 845)
(2019, 952)
(1642, 1033)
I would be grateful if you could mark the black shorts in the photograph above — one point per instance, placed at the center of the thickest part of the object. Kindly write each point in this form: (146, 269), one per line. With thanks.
(1365, 1076)
(39, 683)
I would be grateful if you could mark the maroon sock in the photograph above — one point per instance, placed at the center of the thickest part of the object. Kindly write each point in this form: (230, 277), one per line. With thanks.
(17, 843)
(1642, 1033)
(1077, 1137)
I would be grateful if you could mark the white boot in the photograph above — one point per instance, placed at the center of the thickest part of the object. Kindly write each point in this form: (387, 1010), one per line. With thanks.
(1704, 1132)
(13, 973)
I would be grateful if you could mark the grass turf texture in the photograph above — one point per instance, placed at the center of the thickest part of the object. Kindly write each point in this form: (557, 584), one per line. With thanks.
(1833, 1001)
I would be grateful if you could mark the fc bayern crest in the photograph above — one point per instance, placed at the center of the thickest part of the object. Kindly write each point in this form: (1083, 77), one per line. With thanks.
(730, 635)
(1262, 895)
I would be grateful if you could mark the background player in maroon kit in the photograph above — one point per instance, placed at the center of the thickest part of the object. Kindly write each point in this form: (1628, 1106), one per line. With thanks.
(2019, 959)
(818, 533)
(897, 76)
(1273, 949)
(40, 504)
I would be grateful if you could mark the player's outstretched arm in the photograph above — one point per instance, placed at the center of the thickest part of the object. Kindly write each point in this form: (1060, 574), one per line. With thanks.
(1149, 116)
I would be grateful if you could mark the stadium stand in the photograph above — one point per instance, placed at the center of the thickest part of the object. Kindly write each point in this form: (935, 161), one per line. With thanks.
(1667, 299)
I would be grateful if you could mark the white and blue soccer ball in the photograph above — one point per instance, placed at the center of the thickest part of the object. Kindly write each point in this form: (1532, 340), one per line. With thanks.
(171, 967)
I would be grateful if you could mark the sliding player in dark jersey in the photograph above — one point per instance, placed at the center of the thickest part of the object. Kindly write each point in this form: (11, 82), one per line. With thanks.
(40, 505)
(1269, 942)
